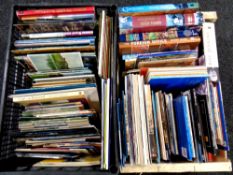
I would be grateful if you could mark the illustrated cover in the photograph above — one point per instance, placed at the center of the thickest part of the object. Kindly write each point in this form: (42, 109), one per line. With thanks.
(25, 51)
(59, 73)
(54, 61)
(135, 60)
(66, 17)
(156, 23)
(55, 42)
(158, 9)
(159, 45)
(170, 34)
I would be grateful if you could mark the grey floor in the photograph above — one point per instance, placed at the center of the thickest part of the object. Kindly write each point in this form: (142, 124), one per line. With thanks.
(224, 32)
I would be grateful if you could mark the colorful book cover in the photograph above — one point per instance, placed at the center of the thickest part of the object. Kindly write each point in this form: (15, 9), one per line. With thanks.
(58, 17)
(55, 88)
(154, 23)
(158, 8)
(55, 42)
(54, 61)
(161, 55)
(159, 45)
(170, 34)
(59, 73)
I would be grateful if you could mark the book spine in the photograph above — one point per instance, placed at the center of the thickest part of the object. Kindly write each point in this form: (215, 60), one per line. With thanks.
(56, 34)
(55, 11)
(210, 46)
(159, 45)
(137, 24)
(158, 8)
(154, 106)
(222, 117)
(186, 53)
(159, 35)
(150, 122)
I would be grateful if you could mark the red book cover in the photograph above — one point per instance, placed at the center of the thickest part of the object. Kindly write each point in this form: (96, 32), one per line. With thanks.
(149, 23)
(55, 11)
(210, 157)
(189, 19)
(143, 71)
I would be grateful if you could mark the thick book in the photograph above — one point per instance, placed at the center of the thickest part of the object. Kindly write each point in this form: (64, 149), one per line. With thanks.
(158, 9)
(137, 60)
(55, 11)
(159, 45)
(170, 34)
(137, 24)
(54, 26)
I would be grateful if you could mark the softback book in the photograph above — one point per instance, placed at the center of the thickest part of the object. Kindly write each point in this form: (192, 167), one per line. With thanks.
(153, 23)
(158, 9)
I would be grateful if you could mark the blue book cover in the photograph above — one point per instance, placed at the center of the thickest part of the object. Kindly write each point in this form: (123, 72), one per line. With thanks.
(155, 126)
(158, 8)
(184, 129)
(186, 53)
(56, 88)
(170, 83)
(119, 131)
(55, 41)
(124, 137)
(222, 115)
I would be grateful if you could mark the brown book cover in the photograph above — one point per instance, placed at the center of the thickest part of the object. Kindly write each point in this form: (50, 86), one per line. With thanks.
(159, 45)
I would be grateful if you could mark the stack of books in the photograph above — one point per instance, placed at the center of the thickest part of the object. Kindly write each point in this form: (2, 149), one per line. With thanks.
(60, 123)
(171, 108)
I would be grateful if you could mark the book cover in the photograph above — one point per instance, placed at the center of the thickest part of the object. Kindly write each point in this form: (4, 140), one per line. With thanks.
(65, 17)
(166, 130)
(171, 124)
(222, 115)
(55, 42)
(55, 11)
(134, 60)
(170, 34)
(162, 143)
(159, 45)
(56, 88)
(158, 8)
(184, 129)
(155, 23)
(54, 61)
(25, 51)
(54, 26)
(150, 123)
(154, 105)
(56, 34)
